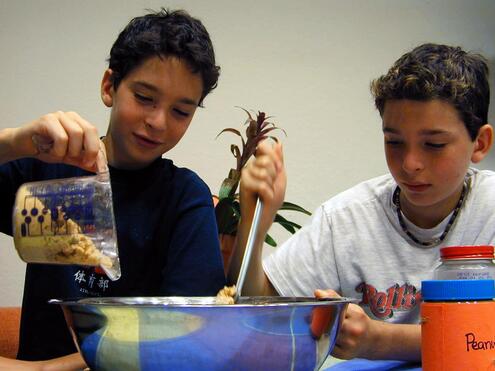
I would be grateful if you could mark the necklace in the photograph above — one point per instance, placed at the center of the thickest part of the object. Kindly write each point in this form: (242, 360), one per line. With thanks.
(435, 241)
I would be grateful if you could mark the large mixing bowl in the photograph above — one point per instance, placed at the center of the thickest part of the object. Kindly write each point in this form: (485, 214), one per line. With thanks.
(178, 333)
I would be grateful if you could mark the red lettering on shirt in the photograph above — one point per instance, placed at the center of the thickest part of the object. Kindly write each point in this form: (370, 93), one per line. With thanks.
(383, 304)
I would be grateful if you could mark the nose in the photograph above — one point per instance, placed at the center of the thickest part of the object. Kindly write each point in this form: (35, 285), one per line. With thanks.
(157, 119)
(412, 161)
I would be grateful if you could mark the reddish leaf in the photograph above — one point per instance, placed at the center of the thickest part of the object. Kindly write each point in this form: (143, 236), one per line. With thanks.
(236, 132)
(265, 131)
(245, 110)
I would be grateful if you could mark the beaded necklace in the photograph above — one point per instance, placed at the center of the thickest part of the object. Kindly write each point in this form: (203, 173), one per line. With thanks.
(435, 241)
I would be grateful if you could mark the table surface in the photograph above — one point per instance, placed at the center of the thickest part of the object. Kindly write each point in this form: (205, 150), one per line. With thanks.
(334, 364)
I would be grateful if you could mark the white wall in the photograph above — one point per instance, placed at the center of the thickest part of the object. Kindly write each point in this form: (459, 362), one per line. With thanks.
(308, 63)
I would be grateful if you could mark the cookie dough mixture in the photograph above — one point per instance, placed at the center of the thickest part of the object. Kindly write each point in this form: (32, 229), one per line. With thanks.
(226, 295)
(54, 241)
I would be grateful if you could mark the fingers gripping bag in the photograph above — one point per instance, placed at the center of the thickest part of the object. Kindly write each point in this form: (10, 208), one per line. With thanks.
(67, 221)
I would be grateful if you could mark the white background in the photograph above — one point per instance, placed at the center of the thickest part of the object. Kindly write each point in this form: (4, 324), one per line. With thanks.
(307, 63)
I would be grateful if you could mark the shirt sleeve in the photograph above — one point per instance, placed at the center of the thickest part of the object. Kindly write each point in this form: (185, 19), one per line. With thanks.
(11, 177)
(194, 261)
(306, 261)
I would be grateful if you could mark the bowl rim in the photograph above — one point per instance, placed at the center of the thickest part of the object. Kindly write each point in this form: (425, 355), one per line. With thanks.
(202, 301)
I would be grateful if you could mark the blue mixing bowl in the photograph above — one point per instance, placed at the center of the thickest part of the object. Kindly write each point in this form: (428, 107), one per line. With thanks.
(194, 333)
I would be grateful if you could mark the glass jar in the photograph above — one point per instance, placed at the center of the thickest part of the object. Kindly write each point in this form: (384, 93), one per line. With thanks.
(457, 324)
(466, 263)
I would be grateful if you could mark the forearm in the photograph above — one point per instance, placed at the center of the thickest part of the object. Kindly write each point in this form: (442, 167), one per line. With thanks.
(72, 362)
(263, 178)
(256, 282)
(15, 144)
(6, 148)
(395, 341)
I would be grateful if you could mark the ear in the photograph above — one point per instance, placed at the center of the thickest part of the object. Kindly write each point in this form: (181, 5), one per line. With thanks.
(482, 143)
(107, 90)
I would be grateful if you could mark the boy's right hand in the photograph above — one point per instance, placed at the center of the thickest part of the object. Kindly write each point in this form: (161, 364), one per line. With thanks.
(60, 137)
(264, 176)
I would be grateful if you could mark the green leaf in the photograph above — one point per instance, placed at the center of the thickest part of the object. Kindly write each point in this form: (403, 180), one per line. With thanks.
(287, 224)
(236, 207)
(287, 227)
(270, 241)
(231, 228)
(294, 207)
(226, 217)
(227, 188)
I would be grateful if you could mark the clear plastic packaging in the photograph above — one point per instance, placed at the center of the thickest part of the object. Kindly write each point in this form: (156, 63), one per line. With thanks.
(466, 263)
(67, 221)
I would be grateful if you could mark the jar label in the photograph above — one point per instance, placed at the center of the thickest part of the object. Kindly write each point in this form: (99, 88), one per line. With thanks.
(458, 336)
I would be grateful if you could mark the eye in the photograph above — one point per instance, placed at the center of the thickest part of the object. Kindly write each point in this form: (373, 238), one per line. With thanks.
(391, 142)
(435, 145)
(143, 98)
(181, 113)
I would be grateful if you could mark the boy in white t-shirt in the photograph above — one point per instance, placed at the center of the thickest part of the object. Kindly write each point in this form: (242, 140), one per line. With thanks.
(378, 240)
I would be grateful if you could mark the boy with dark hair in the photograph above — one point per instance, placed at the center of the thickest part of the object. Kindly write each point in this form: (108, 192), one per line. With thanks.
(378, 240)
(161, 68)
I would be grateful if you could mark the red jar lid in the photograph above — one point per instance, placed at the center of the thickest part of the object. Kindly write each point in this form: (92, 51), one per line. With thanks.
(467, 252)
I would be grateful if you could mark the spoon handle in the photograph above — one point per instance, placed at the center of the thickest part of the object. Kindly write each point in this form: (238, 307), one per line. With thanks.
(249, 248)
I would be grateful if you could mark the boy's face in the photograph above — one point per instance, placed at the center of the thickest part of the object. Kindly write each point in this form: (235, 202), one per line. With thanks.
(151, 110)
(428, 151)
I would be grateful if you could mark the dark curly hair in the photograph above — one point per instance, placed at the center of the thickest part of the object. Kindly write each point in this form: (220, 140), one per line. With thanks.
(165, 33)
(432, 71)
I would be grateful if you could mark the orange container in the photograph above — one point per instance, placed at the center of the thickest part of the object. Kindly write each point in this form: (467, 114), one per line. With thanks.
(457, 331)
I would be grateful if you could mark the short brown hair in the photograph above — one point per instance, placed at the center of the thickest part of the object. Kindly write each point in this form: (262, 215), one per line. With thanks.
(165, 33)
(432, 71)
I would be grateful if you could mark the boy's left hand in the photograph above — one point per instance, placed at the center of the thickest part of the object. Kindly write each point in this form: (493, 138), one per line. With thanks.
(355, 337)
(363, 337)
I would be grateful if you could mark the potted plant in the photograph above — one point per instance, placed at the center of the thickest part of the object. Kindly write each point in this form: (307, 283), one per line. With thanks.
(227, 207)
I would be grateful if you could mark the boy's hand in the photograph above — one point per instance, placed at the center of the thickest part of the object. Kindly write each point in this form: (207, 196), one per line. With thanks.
(264, 176)
(362, 337)
(61, 137)
(355, 337)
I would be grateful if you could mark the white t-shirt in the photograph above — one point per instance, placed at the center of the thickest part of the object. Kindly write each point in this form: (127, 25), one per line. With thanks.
(356, 246)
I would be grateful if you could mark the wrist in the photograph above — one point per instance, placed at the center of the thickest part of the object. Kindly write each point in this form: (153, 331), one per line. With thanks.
(7, 145)
(393, 341)
(21, 143)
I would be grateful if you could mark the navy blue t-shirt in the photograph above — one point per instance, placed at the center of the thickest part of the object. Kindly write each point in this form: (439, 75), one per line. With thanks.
(167, 240)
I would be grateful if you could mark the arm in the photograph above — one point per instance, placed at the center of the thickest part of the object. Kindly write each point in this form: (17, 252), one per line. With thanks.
(264, 176)
(60, 137)
(362, 337)
(72, 362)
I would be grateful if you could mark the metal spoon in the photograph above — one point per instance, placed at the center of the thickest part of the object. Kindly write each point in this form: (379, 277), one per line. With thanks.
(249, 249)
